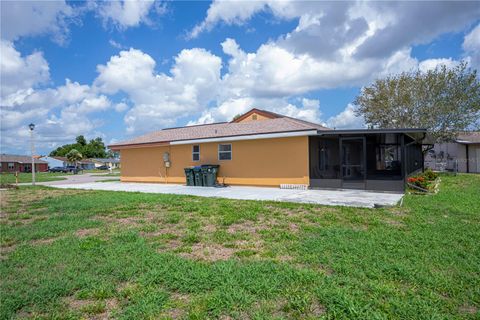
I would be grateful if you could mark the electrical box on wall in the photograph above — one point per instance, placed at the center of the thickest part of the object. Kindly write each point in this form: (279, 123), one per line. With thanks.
(166, 157)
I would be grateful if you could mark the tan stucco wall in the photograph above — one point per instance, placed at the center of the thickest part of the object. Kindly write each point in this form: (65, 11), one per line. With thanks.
(265, 162)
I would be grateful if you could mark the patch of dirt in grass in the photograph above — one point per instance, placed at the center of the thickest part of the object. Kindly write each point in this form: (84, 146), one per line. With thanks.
(317, 309)
(85, 306)
(399, 211)
(468, 309)
(360, 227)
(76, 304)
(284, 258)
(170, 245)
(395, 223)
(247, 227)
(45, 241)
(5, 250)
(87, 232)
(209, 228)
(209, 252)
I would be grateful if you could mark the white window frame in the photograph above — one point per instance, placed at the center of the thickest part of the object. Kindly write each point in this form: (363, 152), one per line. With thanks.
(194, 153)
(11, 165)
(231, 151)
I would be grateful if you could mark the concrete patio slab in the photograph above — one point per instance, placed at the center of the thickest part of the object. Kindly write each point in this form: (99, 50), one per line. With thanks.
(351, 198)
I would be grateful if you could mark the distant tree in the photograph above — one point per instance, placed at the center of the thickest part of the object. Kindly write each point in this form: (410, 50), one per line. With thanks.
(81, 140)
(444, 101)
(95, 148)
(74, 156)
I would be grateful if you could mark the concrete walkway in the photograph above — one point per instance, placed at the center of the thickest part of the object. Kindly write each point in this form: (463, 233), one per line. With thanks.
(351, 198)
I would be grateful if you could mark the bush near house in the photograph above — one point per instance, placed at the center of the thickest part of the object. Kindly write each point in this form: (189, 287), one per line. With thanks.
(425, 180)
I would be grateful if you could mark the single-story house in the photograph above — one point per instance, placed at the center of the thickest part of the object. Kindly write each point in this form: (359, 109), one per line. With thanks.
(14, 163)
(262, 148)
(462, 154)
(55, 161)
(63, 162)
(112, 163)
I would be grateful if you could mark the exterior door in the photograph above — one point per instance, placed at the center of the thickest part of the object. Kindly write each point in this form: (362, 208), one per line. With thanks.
(352, 151)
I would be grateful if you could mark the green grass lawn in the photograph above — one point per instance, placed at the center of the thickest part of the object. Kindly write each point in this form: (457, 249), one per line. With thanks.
(27, 177)
(69, 254)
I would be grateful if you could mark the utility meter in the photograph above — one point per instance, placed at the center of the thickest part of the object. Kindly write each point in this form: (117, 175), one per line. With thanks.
(166, 159)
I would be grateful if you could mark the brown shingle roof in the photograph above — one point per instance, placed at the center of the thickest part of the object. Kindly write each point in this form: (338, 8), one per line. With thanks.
(468, 137)
(18, 158)
(229, 129)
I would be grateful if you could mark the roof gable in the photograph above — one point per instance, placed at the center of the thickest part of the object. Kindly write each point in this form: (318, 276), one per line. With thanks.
(255, 114)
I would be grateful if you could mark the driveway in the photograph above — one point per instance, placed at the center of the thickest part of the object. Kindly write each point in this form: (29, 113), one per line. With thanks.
(351, 198)
(74, 179)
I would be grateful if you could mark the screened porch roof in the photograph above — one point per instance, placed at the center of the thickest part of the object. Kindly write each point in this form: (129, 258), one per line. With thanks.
(414, 133)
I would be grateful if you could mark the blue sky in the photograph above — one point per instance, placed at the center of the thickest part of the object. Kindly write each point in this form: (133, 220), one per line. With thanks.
(138, 66)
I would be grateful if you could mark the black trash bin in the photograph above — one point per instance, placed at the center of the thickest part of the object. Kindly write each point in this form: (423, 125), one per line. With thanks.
(190, 177)
(209, 172)
(198, 176)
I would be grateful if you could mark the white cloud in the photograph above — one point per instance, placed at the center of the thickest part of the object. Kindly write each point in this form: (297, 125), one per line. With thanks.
(346, 119)
(121, 107)
(160, 99)
(59, 113)
(127, 13)
(20, 73)
(471, 45)
(115, 44)
(230, 12)
(273, 71)
(309, 109)
(366, 29)
(432, 64)
(32, 18)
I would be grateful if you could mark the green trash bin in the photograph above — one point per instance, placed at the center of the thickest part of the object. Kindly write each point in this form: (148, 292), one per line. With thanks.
(209, 172)
(198, 176)
(190, 177)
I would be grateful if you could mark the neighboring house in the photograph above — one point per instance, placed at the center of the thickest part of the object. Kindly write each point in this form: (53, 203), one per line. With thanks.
(63, 162)
(266, 149)
(112, 163)
(55, 161)
(86, 165)
(462, 154)
(13, 163)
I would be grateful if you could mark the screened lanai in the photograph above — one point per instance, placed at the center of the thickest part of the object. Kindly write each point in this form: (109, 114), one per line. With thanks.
(365, 159)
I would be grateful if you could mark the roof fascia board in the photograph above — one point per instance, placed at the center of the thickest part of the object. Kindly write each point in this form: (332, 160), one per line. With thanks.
(249, 137)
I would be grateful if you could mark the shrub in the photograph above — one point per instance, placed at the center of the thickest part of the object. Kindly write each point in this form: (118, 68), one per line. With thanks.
(430, 175)
(419, 181)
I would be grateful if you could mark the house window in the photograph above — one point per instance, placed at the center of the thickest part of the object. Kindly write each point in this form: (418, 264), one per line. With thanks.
(196, 152)
(11, 166)
(224, 152)
(254, 117)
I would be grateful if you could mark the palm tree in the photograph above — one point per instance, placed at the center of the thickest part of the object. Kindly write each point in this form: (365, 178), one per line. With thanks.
(74, 156)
